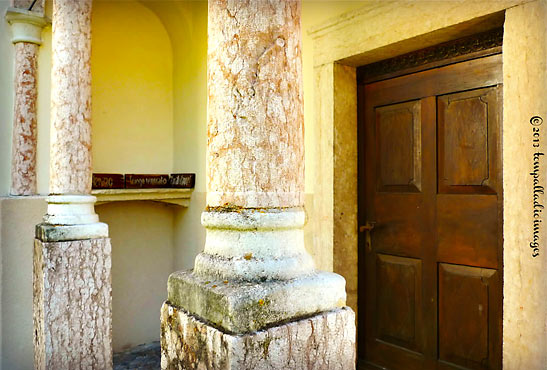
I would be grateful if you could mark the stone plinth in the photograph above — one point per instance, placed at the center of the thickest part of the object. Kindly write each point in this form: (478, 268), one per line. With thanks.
(243, 307)
(72, 304)
(325, 341)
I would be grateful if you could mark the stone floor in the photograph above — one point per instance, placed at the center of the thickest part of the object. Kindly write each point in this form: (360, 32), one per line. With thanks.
(144, 356)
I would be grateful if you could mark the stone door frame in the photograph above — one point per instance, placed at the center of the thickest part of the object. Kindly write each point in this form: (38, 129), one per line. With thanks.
(381, 30)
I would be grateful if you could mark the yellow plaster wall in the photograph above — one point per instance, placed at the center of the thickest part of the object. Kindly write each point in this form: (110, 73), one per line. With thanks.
(132, 118)
(18, 217)
(132, 90)
(142, 259)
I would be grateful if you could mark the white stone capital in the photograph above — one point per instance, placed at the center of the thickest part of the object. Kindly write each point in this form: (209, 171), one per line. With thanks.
(26, 26)
(71, 217)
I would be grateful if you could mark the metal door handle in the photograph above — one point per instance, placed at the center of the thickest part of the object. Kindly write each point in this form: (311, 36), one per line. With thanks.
(369, 225)
(367, 228)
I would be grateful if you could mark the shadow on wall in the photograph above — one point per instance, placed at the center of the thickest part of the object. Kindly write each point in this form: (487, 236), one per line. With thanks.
(142, 259)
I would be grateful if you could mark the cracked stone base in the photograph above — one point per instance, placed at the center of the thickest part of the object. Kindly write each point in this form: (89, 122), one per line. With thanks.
(72, 304)
(325, 341)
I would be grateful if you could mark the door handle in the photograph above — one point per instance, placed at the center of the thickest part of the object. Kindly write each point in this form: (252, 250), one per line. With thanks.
(367, 228)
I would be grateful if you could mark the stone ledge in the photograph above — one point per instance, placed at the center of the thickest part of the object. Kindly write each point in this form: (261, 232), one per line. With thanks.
(179, 197)
(57, 233)
(325, 341)
(243, 307)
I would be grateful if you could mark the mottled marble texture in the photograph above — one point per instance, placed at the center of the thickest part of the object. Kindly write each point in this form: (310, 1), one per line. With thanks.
(322, 342)
(72, 304)
(255, 112)
(70, 153)
(25, 4)
(23, 164)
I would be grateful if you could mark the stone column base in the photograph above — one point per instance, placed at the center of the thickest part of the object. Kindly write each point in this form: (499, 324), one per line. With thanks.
(72, 304)
(324, 341)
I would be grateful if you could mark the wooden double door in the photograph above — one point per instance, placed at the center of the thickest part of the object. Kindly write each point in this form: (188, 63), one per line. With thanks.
(431, 219)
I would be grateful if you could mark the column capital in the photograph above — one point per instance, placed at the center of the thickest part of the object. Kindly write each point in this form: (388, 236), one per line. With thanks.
(26, 25)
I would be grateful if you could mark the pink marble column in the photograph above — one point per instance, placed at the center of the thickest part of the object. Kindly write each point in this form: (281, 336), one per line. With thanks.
(70, 154)
(241, 307)
(70, 202)
(255, 117)
(23, 165)
(26, 27)
(72, 252)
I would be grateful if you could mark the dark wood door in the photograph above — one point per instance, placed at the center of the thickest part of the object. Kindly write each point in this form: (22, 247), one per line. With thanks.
(430, 183)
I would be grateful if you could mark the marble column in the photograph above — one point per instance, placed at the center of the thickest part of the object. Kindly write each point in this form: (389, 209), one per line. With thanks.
(254, 299)
(72, 252)
(26, 36)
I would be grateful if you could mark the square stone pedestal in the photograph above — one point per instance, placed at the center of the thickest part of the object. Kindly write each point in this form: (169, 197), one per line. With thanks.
(72, 304)
(324, 341)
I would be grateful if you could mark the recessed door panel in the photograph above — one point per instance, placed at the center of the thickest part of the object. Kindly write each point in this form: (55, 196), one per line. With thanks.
(399, 147)
(467, 141)
(398, 289)
(467, 320)
(400, 233)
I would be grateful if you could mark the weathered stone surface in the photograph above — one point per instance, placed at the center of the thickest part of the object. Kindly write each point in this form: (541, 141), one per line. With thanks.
(58, 233)
(23, 164)
(325, 341)
(243, 307)
(252, 245)
(72, 305)
(25, 4)
(70, 153)
(255, 111)
(524, 278)
(255, 272)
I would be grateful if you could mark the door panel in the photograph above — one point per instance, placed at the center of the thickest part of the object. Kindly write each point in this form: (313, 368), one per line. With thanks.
(432, 186)
(400, 232)
(466, 319)
(399, 148)
(399, 297)
(468, 141)
(467, 229)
